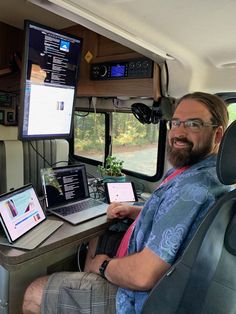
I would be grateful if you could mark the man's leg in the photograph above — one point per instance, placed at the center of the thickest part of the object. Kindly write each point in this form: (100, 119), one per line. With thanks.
(33, 296)
(77, 291)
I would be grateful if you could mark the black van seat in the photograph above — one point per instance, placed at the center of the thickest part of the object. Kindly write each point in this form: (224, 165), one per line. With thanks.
(20, 162)
(203, 279)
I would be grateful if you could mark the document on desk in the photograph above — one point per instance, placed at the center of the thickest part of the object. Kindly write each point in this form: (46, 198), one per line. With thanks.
(23, 219)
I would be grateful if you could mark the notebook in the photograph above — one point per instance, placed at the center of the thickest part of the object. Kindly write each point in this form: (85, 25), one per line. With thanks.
(120, 192)
(23, 219)
(67, 194)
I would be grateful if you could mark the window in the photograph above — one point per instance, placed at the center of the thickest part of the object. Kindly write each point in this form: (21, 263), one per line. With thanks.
(135, 143)
(140, 146)
(232, 112)
(89, 135)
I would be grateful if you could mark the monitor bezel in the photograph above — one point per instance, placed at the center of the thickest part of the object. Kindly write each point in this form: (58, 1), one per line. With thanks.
(21, 135)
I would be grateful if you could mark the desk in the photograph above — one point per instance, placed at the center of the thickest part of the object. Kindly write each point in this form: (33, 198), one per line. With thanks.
(18, 267)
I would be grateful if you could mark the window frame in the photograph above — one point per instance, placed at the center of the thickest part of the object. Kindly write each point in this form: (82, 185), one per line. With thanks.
(161, 147)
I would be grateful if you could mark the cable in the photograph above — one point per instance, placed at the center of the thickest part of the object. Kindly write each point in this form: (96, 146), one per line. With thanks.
(167, 78)
(40, 154)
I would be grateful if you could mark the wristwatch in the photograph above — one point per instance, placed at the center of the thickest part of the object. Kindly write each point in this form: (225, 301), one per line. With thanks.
(103, 267)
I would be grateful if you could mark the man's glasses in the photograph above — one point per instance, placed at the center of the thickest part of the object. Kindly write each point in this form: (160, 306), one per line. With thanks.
(193, 125)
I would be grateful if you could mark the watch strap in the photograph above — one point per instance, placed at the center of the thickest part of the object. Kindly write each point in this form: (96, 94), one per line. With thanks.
(103, 267)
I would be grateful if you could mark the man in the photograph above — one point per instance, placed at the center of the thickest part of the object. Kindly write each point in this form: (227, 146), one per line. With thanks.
(163, 226)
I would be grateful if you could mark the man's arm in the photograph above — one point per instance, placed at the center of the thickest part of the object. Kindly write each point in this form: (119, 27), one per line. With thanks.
(139, 271)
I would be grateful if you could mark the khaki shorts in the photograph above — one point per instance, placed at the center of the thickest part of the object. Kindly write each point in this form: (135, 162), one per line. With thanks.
(76, 292)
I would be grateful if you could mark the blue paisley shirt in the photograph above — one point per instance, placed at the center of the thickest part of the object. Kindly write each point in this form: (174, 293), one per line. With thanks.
(169, 218)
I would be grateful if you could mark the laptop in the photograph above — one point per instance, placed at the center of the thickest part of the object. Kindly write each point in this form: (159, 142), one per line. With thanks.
(23, 219)
(67, 194)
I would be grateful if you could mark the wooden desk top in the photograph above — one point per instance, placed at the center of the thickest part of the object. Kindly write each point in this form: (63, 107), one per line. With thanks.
(65, 235)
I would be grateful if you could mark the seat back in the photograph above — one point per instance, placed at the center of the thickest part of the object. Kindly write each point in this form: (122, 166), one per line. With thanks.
(203, 279)
(11, 159)
(20, 162)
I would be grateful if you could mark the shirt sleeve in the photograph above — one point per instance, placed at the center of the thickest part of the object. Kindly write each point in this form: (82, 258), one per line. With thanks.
(181, 205)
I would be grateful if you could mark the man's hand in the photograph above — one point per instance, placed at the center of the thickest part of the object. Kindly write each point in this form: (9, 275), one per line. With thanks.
(122, 210)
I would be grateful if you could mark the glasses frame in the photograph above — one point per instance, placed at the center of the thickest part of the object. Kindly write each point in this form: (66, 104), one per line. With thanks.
(186, 124)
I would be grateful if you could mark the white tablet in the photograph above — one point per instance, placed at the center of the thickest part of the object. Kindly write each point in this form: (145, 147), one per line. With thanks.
(120, 192)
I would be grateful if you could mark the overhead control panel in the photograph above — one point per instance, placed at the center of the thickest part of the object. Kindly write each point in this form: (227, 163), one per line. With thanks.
(117, 70)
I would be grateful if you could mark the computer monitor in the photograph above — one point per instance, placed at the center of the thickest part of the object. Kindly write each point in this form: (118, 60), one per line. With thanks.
(49, 80)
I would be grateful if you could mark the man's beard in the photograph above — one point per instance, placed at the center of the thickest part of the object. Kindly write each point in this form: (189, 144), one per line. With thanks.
(186, 156)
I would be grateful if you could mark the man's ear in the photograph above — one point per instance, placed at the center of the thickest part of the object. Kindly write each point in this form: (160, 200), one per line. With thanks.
(219, 134)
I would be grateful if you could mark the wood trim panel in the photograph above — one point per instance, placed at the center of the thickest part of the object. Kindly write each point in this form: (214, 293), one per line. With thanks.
(103, 50)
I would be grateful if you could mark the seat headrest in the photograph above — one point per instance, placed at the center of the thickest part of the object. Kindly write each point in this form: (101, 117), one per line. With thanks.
(226, 159)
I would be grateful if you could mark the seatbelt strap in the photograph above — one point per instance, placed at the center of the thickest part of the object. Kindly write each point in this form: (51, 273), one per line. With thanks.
(205, 265)
(173, 174)
(123, 247)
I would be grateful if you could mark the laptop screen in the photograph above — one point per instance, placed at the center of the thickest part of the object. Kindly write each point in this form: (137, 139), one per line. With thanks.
(20, 211)
(64, 185)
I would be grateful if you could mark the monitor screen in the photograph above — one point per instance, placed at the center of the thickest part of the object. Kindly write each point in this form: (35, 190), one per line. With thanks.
(49, 80)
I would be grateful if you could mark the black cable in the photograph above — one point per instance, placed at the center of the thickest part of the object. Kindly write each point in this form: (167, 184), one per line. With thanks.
(37, 152)
(167, 78)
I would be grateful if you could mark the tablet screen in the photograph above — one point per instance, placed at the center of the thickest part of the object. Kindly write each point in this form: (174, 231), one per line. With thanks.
(20, 211)
(120, 192)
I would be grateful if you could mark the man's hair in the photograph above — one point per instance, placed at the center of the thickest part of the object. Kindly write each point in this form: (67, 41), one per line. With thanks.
(216, 106)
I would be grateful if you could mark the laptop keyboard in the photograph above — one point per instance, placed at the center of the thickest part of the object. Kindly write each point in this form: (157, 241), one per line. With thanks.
(74, 208)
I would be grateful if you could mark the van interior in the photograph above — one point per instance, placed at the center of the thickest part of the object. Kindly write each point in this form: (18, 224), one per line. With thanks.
(136, 59)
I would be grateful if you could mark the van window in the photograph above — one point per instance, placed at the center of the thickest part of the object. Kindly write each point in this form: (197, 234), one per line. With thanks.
(140, 146)
(135, 143)
(89, 135)
(232, 112)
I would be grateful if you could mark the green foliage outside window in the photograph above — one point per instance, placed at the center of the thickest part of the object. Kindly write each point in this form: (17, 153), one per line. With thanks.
(232, 112)
(90, 132)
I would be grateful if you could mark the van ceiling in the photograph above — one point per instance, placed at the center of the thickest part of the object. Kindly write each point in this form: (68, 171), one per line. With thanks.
(14, 12)
(198, 34)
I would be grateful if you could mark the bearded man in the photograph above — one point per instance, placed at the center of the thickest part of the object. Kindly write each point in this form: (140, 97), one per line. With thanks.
(161, 229)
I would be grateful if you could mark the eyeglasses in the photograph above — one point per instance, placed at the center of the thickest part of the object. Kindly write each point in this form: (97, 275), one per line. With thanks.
(193, 125)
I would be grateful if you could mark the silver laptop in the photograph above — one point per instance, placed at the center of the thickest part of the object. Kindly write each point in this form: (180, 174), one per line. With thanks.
(67, 194)
(23, 219)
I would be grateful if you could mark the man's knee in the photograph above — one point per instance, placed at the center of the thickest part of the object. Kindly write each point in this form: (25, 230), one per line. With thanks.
(33, 296)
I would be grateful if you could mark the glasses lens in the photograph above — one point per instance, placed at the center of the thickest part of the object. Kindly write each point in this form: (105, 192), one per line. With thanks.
(174, 123)
(193, 125)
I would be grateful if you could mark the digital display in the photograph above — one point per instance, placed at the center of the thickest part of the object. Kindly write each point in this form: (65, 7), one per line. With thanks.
(120, 192)
(117, 70)
(64, 184)
(20, 212)
(51, 60)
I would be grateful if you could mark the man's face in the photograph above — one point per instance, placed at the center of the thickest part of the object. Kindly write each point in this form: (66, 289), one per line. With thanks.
(186, 147)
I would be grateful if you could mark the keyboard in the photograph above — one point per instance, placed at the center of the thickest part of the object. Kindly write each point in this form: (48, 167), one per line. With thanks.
(74, 208)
